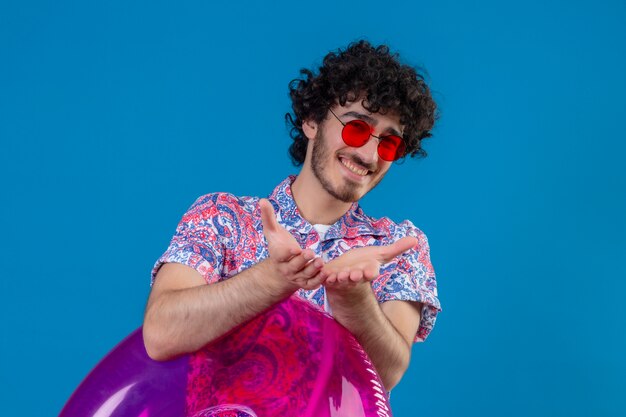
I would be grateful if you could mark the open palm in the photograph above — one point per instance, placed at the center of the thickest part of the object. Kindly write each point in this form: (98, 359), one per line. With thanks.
(297, 267)
(363, 264)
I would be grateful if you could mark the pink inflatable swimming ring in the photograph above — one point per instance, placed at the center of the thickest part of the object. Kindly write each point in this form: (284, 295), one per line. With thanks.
(293, 360)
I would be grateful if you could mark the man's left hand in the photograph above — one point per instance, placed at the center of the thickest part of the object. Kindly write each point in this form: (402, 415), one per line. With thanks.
(361, 265)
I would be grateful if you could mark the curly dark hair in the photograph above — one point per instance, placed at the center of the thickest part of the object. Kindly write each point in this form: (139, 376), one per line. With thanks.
(373, 74)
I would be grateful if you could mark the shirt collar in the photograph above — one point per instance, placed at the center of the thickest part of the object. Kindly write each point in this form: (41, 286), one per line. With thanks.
(353, 223)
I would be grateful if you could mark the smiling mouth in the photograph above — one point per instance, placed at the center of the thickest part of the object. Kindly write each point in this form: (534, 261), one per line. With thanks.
(353, 168)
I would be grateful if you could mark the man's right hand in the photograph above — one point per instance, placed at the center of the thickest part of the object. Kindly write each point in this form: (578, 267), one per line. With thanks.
(184, 314)
(292, 265)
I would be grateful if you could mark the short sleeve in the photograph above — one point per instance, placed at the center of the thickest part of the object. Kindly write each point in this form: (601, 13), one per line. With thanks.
(196, 242)
(411, 277)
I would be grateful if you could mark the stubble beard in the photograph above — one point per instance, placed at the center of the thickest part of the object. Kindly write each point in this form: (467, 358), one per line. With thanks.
(320, 156)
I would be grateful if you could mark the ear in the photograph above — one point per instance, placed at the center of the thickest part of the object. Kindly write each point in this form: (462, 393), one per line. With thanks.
(309, 127)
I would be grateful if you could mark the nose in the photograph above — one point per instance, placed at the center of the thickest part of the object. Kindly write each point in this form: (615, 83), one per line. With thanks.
(369, 151)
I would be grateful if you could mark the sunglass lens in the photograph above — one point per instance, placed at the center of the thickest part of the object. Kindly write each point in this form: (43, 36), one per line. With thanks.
(356, 133)
(391, 148)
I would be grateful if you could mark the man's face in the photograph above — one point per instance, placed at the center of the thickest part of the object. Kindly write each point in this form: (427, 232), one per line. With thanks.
(345, 172)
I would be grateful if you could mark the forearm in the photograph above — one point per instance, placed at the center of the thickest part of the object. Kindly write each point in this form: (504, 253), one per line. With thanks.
(357, 309)
(183, 321)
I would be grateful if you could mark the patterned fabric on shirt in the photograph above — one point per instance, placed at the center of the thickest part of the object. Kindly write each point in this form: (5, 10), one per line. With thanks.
(221, 235)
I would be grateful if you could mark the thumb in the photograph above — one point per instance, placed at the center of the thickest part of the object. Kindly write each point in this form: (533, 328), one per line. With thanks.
(398, 247)
(268, 218)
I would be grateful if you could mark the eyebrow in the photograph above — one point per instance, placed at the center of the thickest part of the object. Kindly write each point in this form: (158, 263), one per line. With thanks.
(370, 120)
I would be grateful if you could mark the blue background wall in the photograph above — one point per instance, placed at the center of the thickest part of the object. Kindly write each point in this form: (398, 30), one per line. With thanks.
(114, 117)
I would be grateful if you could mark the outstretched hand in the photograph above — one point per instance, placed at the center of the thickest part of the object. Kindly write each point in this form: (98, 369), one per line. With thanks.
(298, 267)
(362, 264)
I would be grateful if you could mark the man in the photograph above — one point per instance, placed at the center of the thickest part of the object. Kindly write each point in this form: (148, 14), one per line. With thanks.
(352, 119)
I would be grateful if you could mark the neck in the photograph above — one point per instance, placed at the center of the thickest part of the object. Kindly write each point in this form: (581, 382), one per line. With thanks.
(314, 203)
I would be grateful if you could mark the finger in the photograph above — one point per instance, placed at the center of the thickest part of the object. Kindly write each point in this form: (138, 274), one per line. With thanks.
(324, 272)
(356, 275)
(313, 268)
(314, 282)
(268, 217)
(370, 273)
(285, 255)
(312, 286)
(298, 262)
(343, 276)
(396, 248)
(291, 253)
(308, 254)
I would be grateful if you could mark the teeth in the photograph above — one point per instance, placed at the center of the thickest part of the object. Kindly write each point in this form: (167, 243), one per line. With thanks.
(353, 168)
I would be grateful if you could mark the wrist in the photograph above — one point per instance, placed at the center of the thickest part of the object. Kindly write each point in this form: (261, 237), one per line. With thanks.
(353, 298)
(273, 282)
(349, 290)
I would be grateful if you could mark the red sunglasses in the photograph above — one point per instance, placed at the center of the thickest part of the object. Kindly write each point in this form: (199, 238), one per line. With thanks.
(357, 132)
